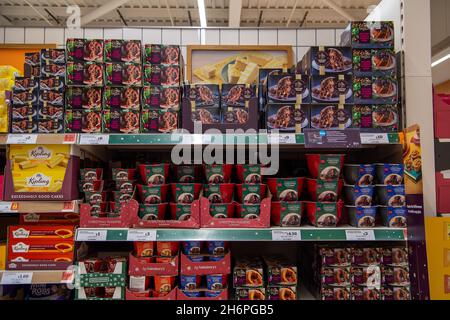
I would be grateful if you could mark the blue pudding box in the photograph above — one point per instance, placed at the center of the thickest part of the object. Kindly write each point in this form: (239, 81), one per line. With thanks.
(393, 217)
(389, 174)
(362, 217)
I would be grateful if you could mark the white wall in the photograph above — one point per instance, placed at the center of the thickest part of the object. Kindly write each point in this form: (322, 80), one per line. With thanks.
(389, 10)
(300, 39)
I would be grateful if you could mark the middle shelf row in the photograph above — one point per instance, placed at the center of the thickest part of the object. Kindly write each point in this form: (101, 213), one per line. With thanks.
(271, 234)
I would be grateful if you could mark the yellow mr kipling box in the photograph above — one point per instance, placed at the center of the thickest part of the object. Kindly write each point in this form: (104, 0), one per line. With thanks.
(40, 172)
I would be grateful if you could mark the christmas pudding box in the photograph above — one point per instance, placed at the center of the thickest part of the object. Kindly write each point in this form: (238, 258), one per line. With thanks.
(41, 172)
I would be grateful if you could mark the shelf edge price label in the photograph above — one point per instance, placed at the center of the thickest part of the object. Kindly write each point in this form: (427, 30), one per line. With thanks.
(92, 235)
(360, 235)
(94, 139)
(70, 138)
(374, 138)
(287, 138)
(68, 206)
(9, 207)
(286, 235)
(141, 235)
(21, 139)
(17, 278)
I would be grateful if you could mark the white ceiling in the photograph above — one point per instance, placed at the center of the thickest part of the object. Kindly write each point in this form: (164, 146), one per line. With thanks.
(254, 13)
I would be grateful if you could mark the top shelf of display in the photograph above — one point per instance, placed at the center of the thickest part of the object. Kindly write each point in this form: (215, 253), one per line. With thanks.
(185, 139)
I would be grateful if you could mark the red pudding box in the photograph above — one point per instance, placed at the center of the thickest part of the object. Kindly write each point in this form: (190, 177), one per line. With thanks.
(127, 211)
(207, 221)
(143, 267)
(193, 222)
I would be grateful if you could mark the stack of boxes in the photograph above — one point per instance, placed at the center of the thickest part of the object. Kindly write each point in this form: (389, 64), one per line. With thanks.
(38, 98)
(24, 105)
(161, 94)
(374, 75)
(251, 274)
(84, 81)
(123, 78)
(330, 69)
(287, 94)
(32, 66)
(360, 273)
(46, 245)
(200, 277)
(51, 105)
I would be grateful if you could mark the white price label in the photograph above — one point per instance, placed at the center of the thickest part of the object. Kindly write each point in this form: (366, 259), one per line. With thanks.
(7, 207)
(181, 138)
(374, 138)
(360, 235)
(92, 235)
(21, 139)
(17, 278)
(288, 138)
(94, 139)
(141, 235)
(286, 235)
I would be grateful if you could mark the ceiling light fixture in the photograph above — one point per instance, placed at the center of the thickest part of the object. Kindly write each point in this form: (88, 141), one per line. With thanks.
(202, 12)
(441, 60)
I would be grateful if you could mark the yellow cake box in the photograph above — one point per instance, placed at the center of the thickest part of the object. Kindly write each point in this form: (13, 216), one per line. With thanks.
(41, 172)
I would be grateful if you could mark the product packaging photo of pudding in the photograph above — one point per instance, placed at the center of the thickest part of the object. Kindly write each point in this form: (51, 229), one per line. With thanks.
(288, 88)
(332, 89)
(326, 61)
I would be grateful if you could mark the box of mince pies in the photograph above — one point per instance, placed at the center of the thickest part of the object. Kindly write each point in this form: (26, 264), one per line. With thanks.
(122, 97)
(161, 74)
(118, 120)
(288, 88)
(289, 118)
(158, 121)
(326, 60)
(122, 51)
(332, 89)
(83, 121)
(84, 50)
(83, 98)
(84, 74)
(123, 74)
(163, 97)
(162, 54)
(331, 116)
